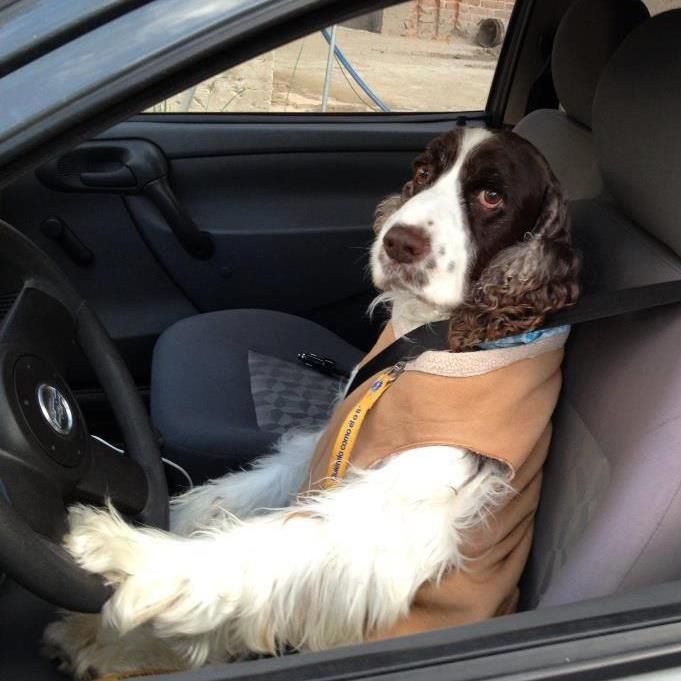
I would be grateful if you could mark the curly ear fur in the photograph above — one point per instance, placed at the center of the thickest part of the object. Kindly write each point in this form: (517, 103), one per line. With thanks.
(524, 283)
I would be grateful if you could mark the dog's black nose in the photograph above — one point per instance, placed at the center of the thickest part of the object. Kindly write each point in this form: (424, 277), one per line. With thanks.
(406, 244)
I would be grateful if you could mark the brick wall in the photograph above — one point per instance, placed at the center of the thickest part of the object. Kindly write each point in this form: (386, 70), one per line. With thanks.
(471, 12)
(442, 19)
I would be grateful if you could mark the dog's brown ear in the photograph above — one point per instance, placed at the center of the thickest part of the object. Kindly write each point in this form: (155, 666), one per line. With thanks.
(524, 283)
(385, 209)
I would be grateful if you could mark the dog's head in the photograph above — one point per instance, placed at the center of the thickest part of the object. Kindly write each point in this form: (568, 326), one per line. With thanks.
(482, 223)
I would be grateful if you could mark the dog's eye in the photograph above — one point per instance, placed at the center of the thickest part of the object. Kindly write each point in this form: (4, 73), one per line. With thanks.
(489, 198)
(422, 175)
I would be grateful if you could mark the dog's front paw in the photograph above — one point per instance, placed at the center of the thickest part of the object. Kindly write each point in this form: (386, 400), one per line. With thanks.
(100, 541)
(181, 592)
(69, 642)
(137, 561)
(85, 649)
(180, 587)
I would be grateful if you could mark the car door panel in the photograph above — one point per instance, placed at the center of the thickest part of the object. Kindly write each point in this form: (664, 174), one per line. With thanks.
(124, 283)
(290, 231)
(204, 135)
(288, 206)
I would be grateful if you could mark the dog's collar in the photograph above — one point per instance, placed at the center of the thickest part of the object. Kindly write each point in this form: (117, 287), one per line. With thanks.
(525, 338)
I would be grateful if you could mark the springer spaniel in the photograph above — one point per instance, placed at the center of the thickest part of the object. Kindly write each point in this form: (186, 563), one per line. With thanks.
(479, 235)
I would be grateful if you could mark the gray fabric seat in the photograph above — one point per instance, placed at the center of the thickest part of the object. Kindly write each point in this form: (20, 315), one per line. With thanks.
(589, 33)
(226, 384)
(610, 515)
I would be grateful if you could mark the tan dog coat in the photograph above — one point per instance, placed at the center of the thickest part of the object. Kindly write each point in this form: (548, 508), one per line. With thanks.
(495, 402)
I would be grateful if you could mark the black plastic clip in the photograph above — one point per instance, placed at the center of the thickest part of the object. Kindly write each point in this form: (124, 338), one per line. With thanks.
(323, 365)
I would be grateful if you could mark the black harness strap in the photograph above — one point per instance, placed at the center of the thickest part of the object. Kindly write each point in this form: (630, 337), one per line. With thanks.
(589, 308)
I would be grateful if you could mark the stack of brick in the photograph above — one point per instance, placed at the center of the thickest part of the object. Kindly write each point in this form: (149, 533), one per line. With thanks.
(472, 12)
(442, 19)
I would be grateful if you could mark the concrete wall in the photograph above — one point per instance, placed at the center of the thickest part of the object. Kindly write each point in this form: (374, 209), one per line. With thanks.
(372, 21)
(247, 87)
(657, 6)
(398, 19)
(443, 19)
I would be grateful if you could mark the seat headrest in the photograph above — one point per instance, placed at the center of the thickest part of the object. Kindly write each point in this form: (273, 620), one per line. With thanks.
(637, 127)
(588, 35)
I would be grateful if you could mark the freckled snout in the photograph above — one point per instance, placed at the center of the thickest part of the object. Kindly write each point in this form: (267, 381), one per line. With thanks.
(406, 244)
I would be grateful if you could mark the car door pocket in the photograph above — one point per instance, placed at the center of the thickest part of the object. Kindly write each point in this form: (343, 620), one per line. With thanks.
(127, 167)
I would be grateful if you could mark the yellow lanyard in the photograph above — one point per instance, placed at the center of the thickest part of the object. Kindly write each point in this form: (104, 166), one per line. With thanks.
(349, 431)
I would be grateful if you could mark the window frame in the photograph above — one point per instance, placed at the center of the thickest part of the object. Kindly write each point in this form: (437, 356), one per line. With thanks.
(492, 115)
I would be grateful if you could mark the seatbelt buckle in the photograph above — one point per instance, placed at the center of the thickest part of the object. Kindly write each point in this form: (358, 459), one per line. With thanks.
(324, 365)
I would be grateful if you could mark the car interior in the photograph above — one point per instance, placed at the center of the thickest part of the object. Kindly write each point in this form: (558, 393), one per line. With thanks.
(210, 328)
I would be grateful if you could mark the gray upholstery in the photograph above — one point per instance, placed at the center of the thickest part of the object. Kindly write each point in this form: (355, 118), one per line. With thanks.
(637, 109)
(287, 395)
(589, 33)
(576, 475)
(208, 400)
(617, 253)
(610, 515)
(568, 147)
(620, 424)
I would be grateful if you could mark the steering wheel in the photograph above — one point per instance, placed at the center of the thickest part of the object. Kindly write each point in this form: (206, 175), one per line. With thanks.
(47, 458)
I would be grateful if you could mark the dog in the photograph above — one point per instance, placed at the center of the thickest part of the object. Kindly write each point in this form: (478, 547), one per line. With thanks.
(273, 558)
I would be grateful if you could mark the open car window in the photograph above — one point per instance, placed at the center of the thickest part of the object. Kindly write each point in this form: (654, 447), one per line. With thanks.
(417, 56)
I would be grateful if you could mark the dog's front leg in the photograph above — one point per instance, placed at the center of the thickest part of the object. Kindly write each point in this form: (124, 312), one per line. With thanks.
(271, 482)
(330, 570)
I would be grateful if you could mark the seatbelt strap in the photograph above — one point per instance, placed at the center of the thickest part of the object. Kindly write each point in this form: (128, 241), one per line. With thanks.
(589, 308)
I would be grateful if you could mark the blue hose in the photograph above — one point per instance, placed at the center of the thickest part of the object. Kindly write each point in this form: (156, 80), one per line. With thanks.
(356, 77)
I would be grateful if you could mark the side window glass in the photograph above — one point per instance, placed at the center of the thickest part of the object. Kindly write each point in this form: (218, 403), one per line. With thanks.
(418, 56)
(659, 6)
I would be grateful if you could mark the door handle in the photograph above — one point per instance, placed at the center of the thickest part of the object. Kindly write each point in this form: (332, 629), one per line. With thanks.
(120, 178)
(196, 242)
(127, 167)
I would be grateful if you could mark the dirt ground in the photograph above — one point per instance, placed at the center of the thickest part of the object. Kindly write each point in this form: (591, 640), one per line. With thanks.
(407, 74)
